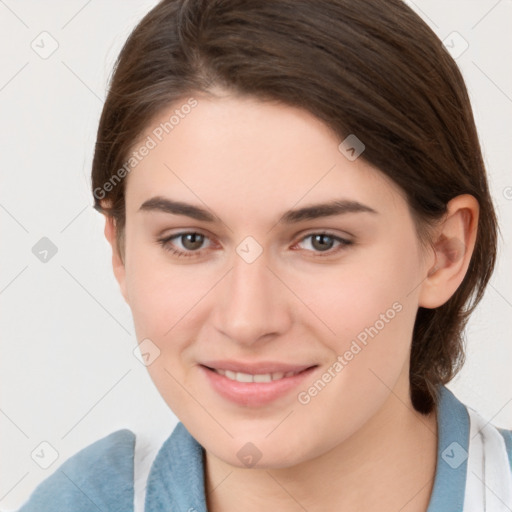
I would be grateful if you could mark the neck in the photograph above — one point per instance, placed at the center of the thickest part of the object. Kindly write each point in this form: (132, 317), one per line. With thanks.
(388, 465)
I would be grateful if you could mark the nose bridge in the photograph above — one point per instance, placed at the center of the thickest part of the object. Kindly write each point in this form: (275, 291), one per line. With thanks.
(253, 301)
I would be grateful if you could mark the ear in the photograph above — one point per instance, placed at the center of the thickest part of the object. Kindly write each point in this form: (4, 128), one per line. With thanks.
(117, 261)
(454, 241)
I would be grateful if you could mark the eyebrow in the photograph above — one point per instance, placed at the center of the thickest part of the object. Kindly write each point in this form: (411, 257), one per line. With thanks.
(311, 212)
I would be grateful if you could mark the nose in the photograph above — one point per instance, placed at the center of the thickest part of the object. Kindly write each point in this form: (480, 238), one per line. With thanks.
(252, 303)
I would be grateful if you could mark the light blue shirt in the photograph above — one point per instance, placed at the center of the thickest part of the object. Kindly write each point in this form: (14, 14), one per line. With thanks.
(100, 476)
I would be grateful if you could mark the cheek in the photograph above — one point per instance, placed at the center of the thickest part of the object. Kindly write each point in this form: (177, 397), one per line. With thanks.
(369, 307)
(372, 318)
(160, 291)
(166, 301)
(373, 332)
(165, 304)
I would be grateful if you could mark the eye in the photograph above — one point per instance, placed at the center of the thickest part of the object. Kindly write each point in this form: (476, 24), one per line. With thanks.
(322, 242)
(191, 241)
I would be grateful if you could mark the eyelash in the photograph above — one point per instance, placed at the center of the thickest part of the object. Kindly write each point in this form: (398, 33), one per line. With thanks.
(165, 243)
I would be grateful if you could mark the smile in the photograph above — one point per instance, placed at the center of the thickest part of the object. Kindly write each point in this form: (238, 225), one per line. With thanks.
(259, 377)
(255, 389)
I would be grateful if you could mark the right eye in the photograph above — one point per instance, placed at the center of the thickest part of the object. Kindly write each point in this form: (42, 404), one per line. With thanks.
(190, 242)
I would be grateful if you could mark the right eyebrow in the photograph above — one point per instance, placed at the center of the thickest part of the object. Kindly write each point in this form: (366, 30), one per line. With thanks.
(162, 204)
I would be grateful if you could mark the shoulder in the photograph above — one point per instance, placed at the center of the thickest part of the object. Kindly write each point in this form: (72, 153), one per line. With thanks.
(100, 476)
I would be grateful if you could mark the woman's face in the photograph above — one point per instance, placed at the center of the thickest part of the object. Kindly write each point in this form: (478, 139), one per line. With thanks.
(260, 284)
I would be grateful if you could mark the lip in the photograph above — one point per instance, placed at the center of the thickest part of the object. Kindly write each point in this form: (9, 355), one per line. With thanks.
(256, 394)
(253, 368)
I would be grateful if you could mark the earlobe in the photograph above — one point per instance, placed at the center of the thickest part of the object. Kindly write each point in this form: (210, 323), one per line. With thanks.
(453, 247)
(117, 261)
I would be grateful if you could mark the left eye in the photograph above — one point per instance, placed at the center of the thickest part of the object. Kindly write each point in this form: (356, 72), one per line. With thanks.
(323, 242)
(192, 241)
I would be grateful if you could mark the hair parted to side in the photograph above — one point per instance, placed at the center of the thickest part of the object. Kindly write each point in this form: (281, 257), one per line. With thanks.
(369, 68)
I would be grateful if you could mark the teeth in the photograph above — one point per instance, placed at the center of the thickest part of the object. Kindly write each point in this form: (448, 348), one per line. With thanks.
(248, 377)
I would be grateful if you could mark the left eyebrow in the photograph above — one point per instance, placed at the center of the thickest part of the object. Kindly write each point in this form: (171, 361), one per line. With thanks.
(311, 212)
(316, 211)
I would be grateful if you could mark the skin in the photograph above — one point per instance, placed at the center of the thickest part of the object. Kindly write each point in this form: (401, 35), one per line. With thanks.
(248, 162)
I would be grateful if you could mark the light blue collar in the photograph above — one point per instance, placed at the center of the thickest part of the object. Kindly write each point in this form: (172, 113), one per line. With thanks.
(176, 479)
(452, 454)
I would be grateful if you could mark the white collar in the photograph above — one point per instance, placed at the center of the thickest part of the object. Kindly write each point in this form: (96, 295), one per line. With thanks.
(489, 478)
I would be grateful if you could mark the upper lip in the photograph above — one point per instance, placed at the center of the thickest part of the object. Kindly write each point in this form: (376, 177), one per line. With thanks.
(255, 368)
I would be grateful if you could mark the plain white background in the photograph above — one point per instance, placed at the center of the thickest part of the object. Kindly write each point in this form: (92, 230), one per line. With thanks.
(69, 375)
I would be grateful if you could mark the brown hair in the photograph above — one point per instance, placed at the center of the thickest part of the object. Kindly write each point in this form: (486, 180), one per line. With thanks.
(369, 68)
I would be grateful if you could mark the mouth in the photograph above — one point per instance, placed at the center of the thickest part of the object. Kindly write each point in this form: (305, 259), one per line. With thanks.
(255, 388)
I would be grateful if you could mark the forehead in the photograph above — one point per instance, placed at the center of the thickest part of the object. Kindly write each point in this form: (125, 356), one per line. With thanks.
(243, 154)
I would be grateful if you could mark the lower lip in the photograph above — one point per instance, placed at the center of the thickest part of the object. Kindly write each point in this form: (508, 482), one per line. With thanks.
(254, 394)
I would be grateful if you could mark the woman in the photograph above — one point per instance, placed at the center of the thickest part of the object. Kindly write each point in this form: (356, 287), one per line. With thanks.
(301, 225)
